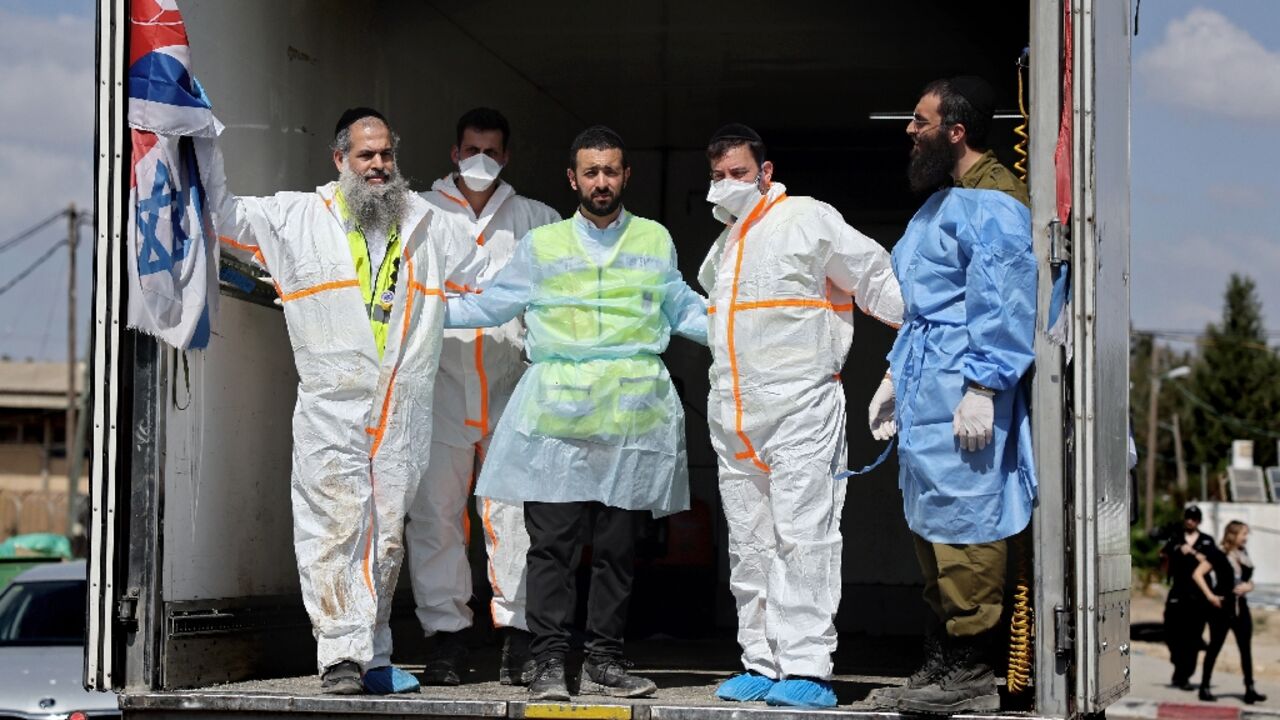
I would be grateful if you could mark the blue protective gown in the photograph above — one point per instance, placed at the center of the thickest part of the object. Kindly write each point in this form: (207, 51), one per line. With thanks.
(968, 278)
(637, 472)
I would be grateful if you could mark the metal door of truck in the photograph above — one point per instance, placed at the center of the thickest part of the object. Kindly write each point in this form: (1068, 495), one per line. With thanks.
(1100, 225)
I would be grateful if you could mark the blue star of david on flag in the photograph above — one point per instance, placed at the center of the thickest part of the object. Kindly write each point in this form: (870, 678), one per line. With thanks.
(159, 252)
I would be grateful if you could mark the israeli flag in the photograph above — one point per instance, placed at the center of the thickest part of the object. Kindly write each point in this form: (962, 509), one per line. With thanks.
(173, 264)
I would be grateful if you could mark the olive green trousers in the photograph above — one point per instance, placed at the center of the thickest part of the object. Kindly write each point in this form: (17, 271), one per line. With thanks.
(964, 584)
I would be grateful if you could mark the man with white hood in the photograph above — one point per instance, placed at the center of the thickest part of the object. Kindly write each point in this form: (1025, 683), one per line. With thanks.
(360, 265)
(782, 281)
(479, 370)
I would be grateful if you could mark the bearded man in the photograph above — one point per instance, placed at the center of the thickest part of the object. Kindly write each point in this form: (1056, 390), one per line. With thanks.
(360, 265)
(968, 278)
(594, 433)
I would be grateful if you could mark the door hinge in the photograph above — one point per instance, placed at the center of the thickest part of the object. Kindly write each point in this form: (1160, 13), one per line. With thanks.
(1064, 632)
(127, 610)
(1059, 243)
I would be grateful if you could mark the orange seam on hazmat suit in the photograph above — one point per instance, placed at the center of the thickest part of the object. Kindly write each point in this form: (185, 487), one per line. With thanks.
(368, 551)
(483, 423)
(381, 429)
(391, 383)
(760, 209)
(257, 251)
(783, 302)
(424, 290)
(493, 572)
(455, 287)
(460, 201)
(322, 287)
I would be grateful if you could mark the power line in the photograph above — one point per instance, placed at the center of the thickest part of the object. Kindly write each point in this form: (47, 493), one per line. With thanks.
(1201, 338)
(31, 268)
(1188, 333)
(48, 323)
(1238, 423)
(25, 234)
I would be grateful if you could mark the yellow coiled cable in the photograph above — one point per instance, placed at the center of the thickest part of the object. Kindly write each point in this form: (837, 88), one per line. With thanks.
(1018, 676)
(1021, 130)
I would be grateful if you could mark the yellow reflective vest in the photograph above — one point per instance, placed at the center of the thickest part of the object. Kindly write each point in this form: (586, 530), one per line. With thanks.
(594, 330)
(379, 292)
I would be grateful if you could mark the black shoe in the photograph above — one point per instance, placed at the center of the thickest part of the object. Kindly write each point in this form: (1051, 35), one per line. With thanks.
(444, 659)
(886, 698)
(1252, 696)
(1184, 685)
(1207, 696)
(342, 678)
(604, 675)
(517, 662)
(967, 683)
(547, 682)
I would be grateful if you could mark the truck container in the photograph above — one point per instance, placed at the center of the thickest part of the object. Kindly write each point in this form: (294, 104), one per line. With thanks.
(194, 600)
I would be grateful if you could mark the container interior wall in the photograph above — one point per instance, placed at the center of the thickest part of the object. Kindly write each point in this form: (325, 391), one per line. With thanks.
(664, 75)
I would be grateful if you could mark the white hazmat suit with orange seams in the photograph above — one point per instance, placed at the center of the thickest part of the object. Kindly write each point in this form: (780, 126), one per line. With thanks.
(479, 370)
(782, 280)
(362, 422)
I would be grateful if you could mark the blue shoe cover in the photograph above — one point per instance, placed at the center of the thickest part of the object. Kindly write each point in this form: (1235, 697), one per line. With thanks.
(389, 679)
(747, 687)
(802, 692)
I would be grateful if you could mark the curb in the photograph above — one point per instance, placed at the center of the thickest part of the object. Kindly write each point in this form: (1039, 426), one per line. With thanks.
(1152, 710)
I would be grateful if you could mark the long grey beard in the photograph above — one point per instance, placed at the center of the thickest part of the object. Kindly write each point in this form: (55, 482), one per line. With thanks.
(375, 207)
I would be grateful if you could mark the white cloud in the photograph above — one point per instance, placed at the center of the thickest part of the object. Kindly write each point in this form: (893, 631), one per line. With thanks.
(1179, 282)
(46, 157)
(1207, 63)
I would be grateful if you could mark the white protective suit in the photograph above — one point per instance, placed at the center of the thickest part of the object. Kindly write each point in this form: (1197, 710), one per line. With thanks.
(478, 371)
(361, 427)
(782, 283)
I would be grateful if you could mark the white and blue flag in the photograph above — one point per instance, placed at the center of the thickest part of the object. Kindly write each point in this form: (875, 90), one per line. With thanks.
(173, 262)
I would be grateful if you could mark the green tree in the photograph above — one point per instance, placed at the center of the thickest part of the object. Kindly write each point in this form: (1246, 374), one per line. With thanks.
(1234, 392)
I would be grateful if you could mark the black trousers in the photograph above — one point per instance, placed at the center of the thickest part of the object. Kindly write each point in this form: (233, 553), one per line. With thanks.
(1239, 624)
(555, 541)
(1184, 620)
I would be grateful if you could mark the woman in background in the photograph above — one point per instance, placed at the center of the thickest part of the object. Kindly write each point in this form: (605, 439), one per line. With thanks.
(1232, 580)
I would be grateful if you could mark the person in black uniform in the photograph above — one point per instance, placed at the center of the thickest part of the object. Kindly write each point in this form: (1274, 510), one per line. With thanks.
(1232, 580)
(1185, 609)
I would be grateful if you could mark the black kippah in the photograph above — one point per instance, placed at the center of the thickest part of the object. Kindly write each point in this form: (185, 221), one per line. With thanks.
(978, 92)
(735, 131)
(356, 113)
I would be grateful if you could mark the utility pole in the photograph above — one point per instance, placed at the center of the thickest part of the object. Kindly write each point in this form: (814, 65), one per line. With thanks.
(73, 232)
(1153, 409)
(1177, 453)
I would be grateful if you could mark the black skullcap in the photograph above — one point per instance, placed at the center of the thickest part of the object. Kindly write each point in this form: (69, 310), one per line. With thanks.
(1192, 513)
(978, 92)
(735, 131)
(357, 113)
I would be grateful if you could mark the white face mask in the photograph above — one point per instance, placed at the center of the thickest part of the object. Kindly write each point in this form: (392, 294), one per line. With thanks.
(479, 172)
(732, 197)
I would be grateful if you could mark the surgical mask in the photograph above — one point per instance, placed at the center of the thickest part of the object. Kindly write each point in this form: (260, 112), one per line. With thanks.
(479, 171)
(732, 197)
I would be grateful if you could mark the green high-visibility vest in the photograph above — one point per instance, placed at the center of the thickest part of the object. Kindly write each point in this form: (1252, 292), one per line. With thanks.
(595, 329)
(379, 293)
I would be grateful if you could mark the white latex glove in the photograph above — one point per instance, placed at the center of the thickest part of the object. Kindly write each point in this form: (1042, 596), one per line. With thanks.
(881, 414)
(974, 418)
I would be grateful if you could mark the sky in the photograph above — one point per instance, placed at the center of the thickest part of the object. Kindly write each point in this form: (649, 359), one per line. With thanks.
(46, 156)
(1206, 160)
(1205, 177)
